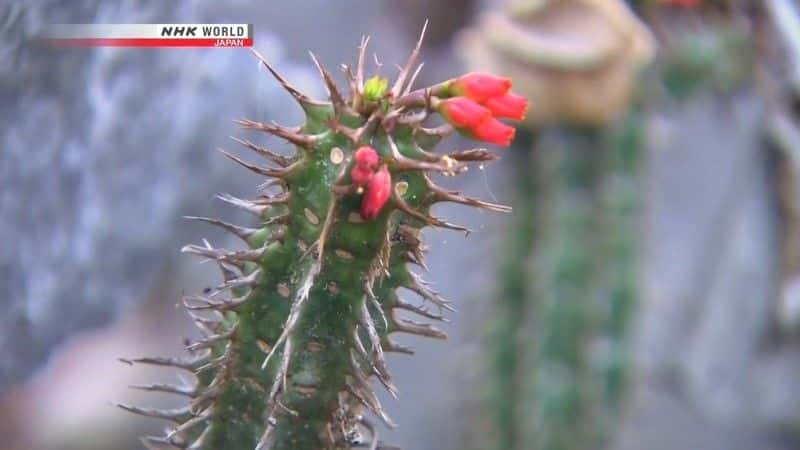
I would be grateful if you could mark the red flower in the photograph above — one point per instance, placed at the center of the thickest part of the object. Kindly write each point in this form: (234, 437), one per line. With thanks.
(366, 161)
(480, 86)
(463, 112)
(494, 131)
(377, 194)
(510, 106)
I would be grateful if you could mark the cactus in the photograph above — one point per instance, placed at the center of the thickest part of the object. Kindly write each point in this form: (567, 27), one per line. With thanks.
(506, 343)
(558, 361)
(559, 356)
(288, 356)
(562, 390)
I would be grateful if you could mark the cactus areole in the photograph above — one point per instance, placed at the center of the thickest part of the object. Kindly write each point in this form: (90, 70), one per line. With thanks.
(300, 326)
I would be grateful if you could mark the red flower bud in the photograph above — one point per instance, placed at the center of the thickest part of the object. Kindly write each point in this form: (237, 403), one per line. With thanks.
(462, 112)
(366, 161)
(494, 131)
(480, 86)
(360, 176)
(366, 157)
(511, 106)
(377, 194)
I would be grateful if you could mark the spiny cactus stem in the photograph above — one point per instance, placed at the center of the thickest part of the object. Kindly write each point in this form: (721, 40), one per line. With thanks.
(287, 358)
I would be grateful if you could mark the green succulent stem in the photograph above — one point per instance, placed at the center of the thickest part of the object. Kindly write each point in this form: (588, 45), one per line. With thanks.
(299, 328)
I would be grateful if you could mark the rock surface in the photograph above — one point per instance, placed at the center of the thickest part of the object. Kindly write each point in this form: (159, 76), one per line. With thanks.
(103, 151)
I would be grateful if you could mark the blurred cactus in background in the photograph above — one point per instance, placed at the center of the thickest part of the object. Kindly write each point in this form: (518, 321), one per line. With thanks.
(559, 340)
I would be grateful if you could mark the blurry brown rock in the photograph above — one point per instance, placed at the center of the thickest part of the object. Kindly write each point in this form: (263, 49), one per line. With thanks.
(575, 60)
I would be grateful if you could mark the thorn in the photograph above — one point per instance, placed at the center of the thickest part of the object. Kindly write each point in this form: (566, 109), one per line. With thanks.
(375, 341)
(475, 154)
(268, 438)
(190, 365)
(422, 311)
(228, 273)
(250, 280)
(176, 415)
(350, 133)
(267, 154)
(442, 195)
(191, 423)
(292, 135)
(355, 135)
(246, 205)
(158, 443)
(301, 98)
(409, 237)
(441, 131)
(339, 106)
(362, 56)
(412, 59)
(417, 286)
(401, 204)
(403, 163)
(242, 232)
(212, 340)
(266, 171)
(254, 255)
(352, 84)
(420, 329)
(201, 303)
(413, 78)
(294, 313)
(272, 182)
(412, 118)
(187, 391)
(391, 346)
(363, 392)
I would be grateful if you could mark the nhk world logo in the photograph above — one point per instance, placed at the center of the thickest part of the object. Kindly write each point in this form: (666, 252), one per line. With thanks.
(163, 35)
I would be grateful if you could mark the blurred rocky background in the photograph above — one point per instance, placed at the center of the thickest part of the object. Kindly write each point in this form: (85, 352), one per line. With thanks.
(103, 151)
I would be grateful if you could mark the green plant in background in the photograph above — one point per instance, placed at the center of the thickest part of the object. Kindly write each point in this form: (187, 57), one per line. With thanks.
(559, 341)
(304, 315)
(558, 344)
(584, 288)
